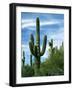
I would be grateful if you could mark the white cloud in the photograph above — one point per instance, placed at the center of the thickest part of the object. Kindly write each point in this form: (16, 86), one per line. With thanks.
(24, 47)
(32, 22)
(24, 21)
(28, 25)
(58, 37)
(52, 22)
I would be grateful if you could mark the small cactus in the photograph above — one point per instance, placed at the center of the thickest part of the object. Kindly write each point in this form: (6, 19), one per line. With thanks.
(23, 59)
(51, 46)
(51, 43)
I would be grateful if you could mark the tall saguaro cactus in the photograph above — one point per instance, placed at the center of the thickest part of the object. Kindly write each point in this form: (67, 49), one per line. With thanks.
(23, 60)
(35, 49)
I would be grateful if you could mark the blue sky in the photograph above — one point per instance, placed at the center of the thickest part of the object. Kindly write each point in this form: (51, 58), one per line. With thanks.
(51, 25)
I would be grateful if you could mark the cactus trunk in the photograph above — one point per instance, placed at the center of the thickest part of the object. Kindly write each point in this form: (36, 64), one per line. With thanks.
(37, 59)
(37, 66)
(35, 49)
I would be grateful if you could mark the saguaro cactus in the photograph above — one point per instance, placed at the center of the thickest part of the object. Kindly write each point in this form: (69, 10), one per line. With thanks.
(23, 60)
(51, 46)
(35, 49)
(31, 60)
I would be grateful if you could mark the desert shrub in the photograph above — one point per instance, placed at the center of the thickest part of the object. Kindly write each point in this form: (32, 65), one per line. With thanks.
(27, 71)
(54, 64)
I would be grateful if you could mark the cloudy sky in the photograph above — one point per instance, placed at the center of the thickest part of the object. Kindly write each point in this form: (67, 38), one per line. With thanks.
(51, 25)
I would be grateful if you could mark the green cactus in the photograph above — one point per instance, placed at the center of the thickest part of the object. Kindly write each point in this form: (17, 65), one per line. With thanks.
(23, 60)
(51, 43)
(31, 60)
(51, 46)
(35, 49)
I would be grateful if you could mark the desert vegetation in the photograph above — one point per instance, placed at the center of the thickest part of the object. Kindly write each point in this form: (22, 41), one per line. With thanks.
(51, 66)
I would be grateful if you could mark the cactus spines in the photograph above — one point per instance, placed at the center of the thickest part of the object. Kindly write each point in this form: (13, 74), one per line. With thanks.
(23, 59)
(31, 60)
(35, 49)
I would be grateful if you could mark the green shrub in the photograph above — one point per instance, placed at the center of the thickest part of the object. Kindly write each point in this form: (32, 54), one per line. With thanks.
(27, 71)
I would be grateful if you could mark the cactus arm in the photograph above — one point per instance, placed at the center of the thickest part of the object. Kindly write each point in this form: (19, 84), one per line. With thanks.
(32, 39)
(44, 46)
(31, 47)
(31, 44)
(35, 50)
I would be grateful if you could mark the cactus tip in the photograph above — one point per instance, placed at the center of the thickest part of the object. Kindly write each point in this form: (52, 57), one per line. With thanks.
(37, 19)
